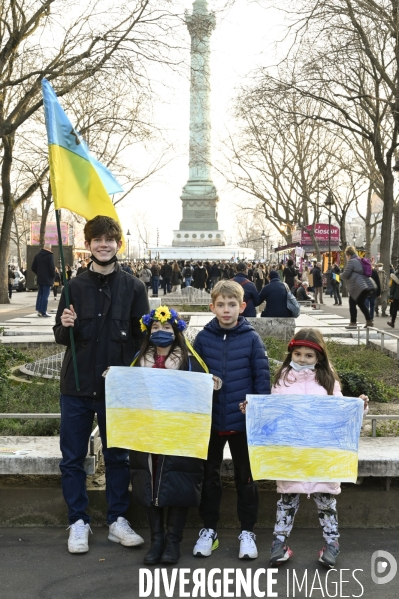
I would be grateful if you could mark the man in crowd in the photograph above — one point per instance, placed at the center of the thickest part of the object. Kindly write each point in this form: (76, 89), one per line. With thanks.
(251, 295)
(44, 268)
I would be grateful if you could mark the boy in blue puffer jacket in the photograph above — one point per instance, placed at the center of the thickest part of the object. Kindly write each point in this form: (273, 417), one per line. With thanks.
(234, 352)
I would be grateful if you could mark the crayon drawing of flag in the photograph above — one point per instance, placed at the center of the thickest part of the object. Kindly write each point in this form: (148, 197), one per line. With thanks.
(159, 411)
(304, 438)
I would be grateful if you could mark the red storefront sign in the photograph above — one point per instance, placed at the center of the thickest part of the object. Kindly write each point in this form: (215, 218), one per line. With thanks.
(321, 232)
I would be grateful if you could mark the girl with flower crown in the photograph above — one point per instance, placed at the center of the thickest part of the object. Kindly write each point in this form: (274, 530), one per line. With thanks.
(165, 481)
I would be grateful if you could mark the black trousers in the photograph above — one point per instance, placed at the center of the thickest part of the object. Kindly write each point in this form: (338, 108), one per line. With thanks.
(394, 310)
(247, 490)
(359, 302)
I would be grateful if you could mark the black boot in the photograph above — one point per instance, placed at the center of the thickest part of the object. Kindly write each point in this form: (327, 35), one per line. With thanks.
(176, 520)
(155, 520)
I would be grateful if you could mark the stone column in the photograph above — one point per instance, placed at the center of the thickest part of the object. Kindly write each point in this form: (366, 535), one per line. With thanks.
(199, 224)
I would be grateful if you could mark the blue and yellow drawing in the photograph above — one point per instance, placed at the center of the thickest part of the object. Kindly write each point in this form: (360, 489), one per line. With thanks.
(159, 411)
(304, 438)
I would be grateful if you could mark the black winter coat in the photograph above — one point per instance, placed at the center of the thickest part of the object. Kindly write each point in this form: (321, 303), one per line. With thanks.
(238, 357)
(44, 268)
(251, 295)
(200, 277)
(107, 329)
(289, 274)
(178, 480)
(317, 277)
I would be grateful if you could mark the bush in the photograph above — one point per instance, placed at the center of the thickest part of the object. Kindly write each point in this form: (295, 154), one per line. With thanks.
(355, 383)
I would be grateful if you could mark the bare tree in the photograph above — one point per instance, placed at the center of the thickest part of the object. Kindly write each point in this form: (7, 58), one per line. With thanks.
(350, 67)
(68, 44)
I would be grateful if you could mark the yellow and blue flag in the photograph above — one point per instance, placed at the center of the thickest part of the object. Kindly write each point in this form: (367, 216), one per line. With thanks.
(159, 411)
(78, 181)
(304, 438)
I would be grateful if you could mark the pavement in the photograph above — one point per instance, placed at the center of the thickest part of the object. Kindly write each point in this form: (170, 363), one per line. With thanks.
(35, 564)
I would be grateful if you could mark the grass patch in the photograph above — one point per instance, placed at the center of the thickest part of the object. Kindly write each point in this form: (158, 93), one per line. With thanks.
(34, 398)
(361, 369)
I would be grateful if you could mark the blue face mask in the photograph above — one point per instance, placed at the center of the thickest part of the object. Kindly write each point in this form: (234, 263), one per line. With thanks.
(299, 368)
(162, 338)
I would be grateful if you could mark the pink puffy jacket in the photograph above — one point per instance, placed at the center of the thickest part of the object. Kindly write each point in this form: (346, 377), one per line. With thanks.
(304, 383)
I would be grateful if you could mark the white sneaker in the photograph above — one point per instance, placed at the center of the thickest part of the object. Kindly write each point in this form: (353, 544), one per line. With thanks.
(248, 548)
(207, 542)
(120, 532)
(78, 541)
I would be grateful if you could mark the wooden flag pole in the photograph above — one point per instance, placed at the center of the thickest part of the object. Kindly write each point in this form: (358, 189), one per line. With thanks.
(67, 302)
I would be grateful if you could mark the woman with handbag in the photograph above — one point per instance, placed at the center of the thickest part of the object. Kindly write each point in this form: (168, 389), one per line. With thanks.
(359, 286)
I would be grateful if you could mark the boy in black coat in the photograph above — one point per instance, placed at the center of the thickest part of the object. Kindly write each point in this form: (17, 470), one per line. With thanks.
(106, 305)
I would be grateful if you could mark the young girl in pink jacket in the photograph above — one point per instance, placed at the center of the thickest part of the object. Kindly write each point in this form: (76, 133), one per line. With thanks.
(307, 371)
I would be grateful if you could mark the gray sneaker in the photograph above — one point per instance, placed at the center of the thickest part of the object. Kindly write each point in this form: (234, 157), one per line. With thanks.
(328, 554)
(279, 552)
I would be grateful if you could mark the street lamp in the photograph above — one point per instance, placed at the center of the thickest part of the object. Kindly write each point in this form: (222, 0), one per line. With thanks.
(354, 240)
(263, 237)
(329, 203)
(128, 245)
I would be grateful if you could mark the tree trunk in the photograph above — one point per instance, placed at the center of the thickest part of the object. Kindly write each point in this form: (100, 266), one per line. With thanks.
(395, 244)
(8, 143)
(46, 203)
(386, 225)
(367, 225)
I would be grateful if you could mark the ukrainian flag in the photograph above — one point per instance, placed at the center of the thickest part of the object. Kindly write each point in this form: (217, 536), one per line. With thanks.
(304, 438)
(79, 182)
(159, 411)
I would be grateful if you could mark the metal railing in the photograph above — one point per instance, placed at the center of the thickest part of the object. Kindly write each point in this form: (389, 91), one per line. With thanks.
(375, 417)
(383, 335)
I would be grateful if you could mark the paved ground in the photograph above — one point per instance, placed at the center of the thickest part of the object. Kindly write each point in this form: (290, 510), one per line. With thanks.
(35, 564)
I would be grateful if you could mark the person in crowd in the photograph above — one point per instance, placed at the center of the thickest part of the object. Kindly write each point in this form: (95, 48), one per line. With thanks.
(374, 295)
(275, 296)
(215, 274)
(106, 305)
(166, 274)
(82, 267)
(251, 295)
(234, 352)
(359, 287)
(305, 274)
(126, 267)
(318, 283)
(302, 292)
(44, 268)
(145, 275)
(187, 274)
(394, 297)
(68, 272)
(161, 482)
(57, 283)
(200, 276)
(306, 370)
(335, 284)
(177, 278)
(11, 278)
(280, 271)
(260, 277)
(289, 273)
(384, 284)
(155, 274)
(250, 272)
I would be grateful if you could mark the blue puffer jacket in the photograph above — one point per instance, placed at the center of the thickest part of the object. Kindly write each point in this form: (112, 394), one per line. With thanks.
(238, 357)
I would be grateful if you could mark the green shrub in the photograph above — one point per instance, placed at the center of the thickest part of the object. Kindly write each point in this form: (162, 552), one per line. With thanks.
(355, 383)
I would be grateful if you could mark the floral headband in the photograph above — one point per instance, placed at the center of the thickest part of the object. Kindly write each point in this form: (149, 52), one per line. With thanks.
(162, 315)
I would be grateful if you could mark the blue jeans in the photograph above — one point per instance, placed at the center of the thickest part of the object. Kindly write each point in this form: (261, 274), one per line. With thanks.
(77, 414)
(370, 304)
(155, 285)
(42, 298)
(189, 280)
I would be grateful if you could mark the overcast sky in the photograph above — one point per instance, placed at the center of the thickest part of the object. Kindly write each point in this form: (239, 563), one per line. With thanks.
(245, 37)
